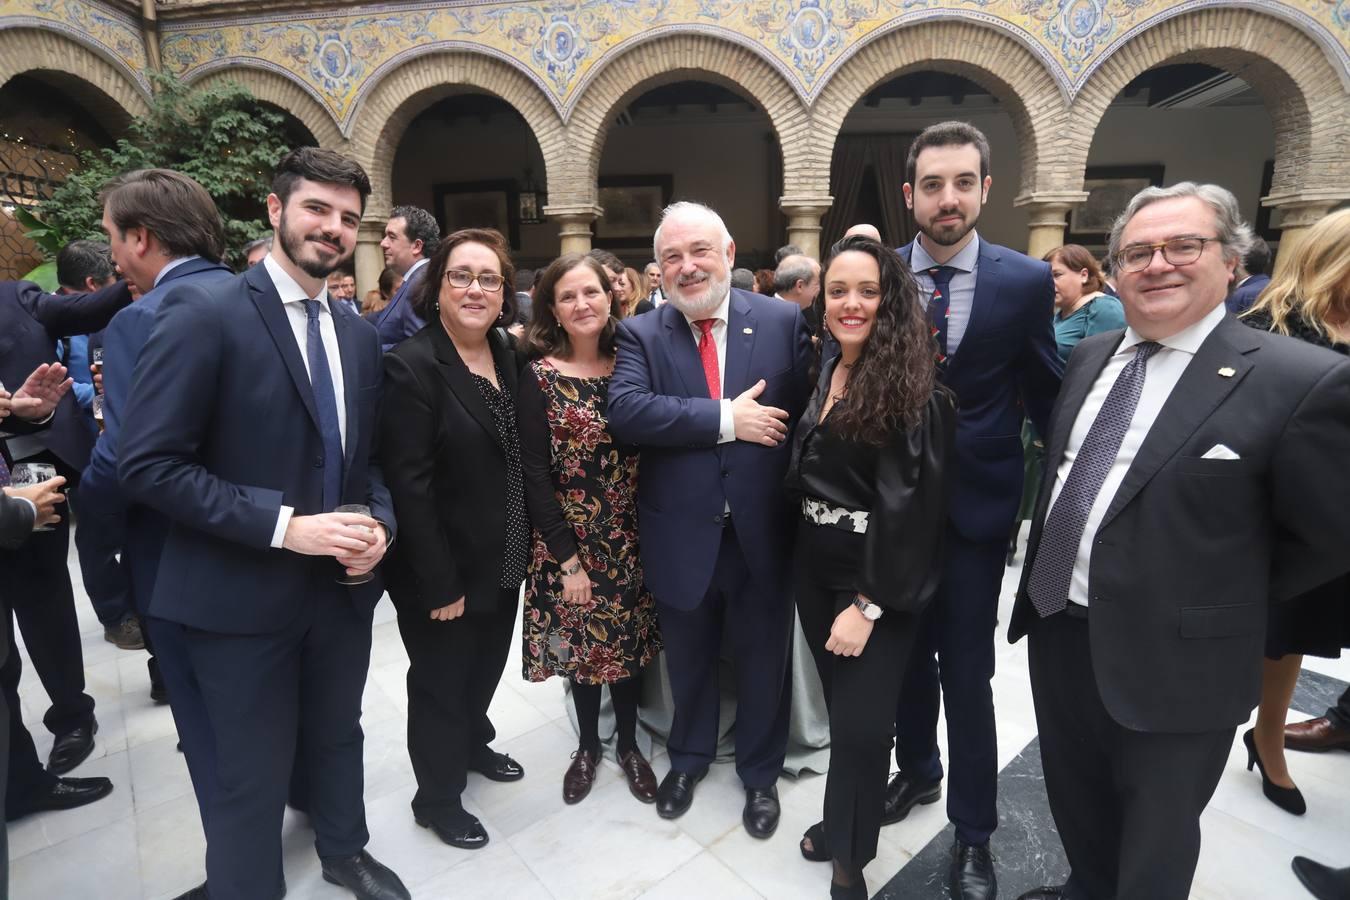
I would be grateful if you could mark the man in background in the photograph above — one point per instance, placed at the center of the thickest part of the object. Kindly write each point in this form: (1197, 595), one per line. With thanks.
(409, 240)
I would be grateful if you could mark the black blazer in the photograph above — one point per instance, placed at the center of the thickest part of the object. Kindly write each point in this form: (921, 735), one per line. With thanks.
(1191, 549)
(446, 472)
(32, 321)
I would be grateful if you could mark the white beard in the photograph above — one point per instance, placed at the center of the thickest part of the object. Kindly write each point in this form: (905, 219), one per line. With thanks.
(699, 307)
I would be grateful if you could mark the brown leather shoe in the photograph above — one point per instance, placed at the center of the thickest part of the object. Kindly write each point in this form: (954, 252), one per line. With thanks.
(1316, 736)
(641, 780)
(580, 776)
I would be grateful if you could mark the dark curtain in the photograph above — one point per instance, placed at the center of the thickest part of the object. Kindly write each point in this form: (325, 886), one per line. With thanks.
(868, 162)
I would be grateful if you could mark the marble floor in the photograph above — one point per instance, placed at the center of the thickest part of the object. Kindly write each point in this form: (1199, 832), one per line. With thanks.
(144, 841)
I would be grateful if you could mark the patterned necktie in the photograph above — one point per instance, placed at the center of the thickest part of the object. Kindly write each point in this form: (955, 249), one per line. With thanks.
(1052, 571)
(939, 306)
(707, 352)
(325, 404)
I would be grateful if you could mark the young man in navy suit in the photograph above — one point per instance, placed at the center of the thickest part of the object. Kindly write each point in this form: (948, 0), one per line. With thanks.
(991, 309)
(250, 422)
(708, 385)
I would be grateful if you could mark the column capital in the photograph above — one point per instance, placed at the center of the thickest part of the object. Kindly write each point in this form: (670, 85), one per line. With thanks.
(371, 229)
(801, 207)
(587, 212)
(1304, 208)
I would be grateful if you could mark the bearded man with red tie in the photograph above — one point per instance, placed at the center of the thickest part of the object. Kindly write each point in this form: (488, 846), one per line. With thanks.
(708, 386)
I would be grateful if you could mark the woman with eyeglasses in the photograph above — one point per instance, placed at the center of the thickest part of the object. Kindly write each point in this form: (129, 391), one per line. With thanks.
(450, 452)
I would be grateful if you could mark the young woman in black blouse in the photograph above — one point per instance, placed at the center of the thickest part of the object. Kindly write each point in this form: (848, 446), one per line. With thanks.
(868, 461)
(450, 452)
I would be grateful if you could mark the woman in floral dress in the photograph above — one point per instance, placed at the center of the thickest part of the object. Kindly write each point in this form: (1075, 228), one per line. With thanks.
(588, 617)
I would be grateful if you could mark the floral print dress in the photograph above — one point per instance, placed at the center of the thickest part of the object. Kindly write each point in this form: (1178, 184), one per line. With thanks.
(582, 492)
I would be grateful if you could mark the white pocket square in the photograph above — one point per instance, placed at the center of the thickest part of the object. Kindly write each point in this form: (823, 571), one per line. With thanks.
(1220, 451)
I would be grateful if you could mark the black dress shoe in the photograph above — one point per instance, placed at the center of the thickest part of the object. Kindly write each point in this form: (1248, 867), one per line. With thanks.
(467, 836)
(760, 816)
(64, 793)
(1057, 892)
(197, 893)
(1323, 882)
(903, 794)
(497, 766)
(676, 793)
(364, 876)
(72, 748)
(972, 872)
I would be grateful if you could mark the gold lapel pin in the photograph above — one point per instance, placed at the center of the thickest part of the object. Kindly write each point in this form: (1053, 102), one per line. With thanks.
(747, 331)
(1228, 371)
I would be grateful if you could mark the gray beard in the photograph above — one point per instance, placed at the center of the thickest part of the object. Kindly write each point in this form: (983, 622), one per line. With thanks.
(716, 291)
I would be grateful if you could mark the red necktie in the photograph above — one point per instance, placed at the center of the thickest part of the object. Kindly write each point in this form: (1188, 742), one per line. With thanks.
(707, 352)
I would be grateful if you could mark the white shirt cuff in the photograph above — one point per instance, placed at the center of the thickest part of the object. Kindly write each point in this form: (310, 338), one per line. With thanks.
(283, 520)
(726, 427)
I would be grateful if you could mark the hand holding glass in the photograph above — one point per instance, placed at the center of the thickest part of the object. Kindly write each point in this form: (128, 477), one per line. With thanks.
(360, 510)
(30, 474)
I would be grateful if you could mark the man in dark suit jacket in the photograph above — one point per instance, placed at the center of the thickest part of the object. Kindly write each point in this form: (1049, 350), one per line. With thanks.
(1252, 277)
(715, 521)
(1196, 471)
(32, 323)
(27, 787)
(249, 422)
(992, 310)
(165, 235)
(409, 240)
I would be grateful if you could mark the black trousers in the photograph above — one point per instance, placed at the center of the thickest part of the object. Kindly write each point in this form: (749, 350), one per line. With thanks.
(759, 623)
(951, 668)
(25, 777)
(1340, 713)
(259, 692)
(453, 670)
(860, 691)
(1127, 803)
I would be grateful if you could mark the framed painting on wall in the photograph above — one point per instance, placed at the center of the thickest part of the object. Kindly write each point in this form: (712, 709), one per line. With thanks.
(479, 204)
(1109, 191)
(632, 205)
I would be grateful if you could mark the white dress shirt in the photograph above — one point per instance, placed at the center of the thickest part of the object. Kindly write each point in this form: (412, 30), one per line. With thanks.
(726, 427)
(293, 299)
(961, 290)
(1163, 372)
(173, 264)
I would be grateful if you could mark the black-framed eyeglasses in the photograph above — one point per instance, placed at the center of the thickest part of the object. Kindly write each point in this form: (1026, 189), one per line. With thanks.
(462, 278)
(1180, 251)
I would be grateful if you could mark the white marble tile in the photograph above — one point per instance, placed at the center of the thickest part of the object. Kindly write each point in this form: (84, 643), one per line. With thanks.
(609, 847)
(387, 766)
(101, 863)
(718, 801)
(512, 716)
(171, 846)
(702, 876)
(1240, 860)
(39, 831)
(159, 773)
(493, 873)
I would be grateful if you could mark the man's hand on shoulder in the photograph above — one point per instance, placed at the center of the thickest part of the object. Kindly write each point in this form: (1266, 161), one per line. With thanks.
(756, 424)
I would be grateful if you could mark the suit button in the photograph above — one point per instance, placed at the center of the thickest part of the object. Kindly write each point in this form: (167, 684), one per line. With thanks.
(318, 462)
(717, 519)
(726, 474)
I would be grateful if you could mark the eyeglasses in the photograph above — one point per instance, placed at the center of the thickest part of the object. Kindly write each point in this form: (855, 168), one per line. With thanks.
(488, 281)
(1180, 251)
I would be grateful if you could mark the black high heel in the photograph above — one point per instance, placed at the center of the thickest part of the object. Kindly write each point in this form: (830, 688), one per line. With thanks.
(820, 851)
(856, 889)
(1288, 799)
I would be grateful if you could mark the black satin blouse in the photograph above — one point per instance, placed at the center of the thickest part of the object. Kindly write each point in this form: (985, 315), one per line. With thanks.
(902, 485)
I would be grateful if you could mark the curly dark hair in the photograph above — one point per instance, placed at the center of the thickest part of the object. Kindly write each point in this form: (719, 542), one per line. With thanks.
(544, 336)
(427, 300)
(896, 372)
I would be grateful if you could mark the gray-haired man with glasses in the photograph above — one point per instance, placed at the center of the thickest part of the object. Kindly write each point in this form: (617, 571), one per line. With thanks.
(1195, 472)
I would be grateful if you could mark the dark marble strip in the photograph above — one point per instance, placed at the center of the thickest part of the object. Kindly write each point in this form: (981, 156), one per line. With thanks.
(1315, 692)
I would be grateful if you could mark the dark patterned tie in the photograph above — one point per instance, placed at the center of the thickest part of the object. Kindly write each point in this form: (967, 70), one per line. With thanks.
(940, 306)
(325, 404)
(1052, 570)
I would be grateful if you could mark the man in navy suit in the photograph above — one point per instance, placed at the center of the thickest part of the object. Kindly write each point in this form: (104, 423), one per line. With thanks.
(409, 240)
(249, 423)
(166, 235)
(708, 385)
(1252, 277)
(991, 310)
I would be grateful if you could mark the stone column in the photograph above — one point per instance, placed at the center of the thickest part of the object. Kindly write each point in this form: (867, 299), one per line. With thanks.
(1046, 213)
(369, 257)
(1298, 213)
(804, 215)
(574, 225)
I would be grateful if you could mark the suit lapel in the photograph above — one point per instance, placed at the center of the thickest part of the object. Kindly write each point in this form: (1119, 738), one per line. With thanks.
(740, 345)
(1198, 392)
(460, 381)
(986, 295)
(683, 351)
(268, 302)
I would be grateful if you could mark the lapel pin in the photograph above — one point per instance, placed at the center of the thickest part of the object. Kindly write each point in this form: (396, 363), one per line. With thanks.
(747, 331)
(1228, 371)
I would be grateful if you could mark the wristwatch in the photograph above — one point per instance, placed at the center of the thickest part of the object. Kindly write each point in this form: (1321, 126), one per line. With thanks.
(871, 612)
(573, 569)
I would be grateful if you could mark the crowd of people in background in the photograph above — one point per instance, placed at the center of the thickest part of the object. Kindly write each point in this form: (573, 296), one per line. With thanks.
(658, 462)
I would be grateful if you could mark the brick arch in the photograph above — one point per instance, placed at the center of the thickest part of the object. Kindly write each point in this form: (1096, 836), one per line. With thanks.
(283, 92)
(104, 87)
(1301, 89)
(652, 63)
(987, 57)
(379, 122)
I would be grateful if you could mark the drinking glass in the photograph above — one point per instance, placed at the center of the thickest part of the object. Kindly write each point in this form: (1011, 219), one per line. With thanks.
(28, 474)
(361, 510)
